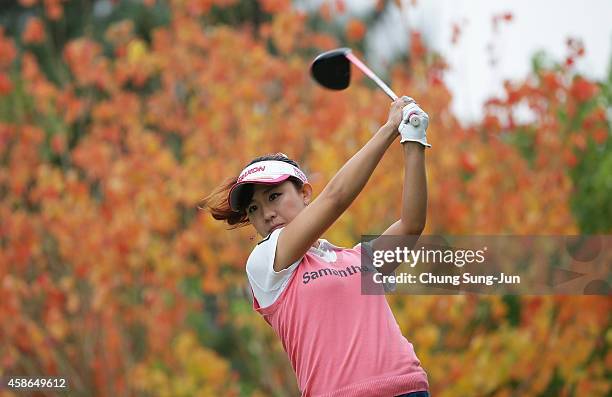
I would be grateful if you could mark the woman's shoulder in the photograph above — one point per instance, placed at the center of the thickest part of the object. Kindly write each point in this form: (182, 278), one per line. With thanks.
(265, 248)
(260, 269)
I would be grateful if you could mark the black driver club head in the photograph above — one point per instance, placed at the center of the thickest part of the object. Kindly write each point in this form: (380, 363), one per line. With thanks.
(332, 69)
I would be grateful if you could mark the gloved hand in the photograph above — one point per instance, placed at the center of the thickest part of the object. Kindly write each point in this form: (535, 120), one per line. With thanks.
(414, 125)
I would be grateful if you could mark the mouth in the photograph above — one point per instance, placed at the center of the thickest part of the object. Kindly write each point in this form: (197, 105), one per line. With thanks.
(276, 227)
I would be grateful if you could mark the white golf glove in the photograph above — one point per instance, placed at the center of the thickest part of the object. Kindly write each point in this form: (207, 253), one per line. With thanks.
(414, 130)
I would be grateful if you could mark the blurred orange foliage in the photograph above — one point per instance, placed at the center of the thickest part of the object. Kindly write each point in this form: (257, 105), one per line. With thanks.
(110, 277)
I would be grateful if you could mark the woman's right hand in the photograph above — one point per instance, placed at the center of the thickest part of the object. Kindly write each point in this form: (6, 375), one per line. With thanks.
(395, 113)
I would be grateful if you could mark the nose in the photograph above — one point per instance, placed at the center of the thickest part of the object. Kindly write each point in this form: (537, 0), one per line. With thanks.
(268, 213)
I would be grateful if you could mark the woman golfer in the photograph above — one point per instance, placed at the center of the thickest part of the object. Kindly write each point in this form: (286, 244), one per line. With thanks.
(341, 343)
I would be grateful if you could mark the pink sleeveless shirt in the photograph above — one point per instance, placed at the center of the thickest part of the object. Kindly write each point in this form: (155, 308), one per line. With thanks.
(341, 343)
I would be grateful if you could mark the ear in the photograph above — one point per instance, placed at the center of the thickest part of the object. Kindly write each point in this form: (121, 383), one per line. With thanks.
(306, 193)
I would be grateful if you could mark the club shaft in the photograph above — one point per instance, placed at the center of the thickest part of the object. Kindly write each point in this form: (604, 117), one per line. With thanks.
(366, 70)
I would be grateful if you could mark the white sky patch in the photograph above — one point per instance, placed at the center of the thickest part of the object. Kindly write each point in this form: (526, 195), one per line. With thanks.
(536, 25)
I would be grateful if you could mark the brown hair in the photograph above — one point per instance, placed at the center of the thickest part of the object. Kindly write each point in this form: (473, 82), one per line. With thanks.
(216, 202)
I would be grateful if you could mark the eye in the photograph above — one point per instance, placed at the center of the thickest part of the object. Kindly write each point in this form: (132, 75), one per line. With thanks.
(273, 196)
(251, 209)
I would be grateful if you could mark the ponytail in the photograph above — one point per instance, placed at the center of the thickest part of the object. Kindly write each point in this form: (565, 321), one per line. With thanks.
(216, 203)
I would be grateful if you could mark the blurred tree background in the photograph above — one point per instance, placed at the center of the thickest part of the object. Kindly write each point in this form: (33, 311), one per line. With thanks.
(117, 117)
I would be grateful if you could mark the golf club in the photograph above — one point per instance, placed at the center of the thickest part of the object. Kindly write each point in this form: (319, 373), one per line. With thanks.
(332, 70)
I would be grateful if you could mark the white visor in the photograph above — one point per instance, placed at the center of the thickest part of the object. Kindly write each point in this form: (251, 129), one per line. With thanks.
(269, 172)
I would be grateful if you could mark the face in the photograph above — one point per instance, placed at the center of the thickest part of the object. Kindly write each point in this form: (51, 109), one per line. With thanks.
(274, 206)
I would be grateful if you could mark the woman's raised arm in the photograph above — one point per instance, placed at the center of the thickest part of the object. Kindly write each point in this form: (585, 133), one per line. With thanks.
(299, 235)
